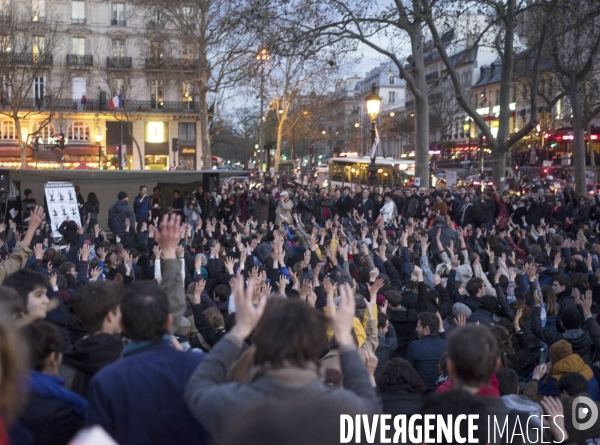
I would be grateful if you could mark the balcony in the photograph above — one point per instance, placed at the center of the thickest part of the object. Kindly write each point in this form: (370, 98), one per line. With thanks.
(141, 106)
(122, 63)
(78, 21)
(164, 63)
(118, 22)
(432, 76)
(31, 59)
(81, 61)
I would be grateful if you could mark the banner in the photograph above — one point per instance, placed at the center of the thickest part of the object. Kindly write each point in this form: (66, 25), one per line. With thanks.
(375, 144)
(62, 203)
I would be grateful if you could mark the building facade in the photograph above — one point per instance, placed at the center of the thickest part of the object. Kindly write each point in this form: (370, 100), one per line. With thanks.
(96, 71)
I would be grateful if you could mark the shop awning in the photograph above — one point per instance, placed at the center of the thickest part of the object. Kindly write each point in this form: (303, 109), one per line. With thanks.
(13, 151)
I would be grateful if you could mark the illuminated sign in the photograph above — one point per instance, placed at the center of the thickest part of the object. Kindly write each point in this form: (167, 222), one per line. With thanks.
(156, 132)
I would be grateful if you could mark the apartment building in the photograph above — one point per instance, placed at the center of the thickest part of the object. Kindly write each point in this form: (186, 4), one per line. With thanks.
(109, 76)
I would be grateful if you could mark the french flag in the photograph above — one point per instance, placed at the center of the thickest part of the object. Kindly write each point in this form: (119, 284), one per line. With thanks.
(116, 102)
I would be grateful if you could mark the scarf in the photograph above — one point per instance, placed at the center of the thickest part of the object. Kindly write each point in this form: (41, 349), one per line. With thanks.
(51, 387)
(136, 346)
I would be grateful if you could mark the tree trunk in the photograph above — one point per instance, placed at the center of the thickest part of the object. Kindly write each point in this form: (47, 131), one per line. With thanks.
(278, 143)
(421, 110)
(204, 129)
(578, 137)
(592, 152)
(499, 165)
(135, 142)
(22, 145)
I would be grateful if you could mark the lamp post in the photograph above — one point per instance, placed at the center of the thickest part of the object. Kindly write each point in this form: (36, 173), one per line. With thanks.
(373, 104)
(467, 129)
(262, 56)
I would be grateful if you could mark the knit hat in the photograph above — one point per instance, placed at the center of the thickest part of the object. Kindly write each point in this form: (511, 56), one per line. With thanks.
(571, 318)
(122, 195)
(560, 350)
(461, 309)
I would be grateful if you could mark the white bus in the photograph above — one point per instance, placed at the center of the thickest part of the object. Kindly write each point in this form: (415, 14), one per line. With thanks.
(353, 170)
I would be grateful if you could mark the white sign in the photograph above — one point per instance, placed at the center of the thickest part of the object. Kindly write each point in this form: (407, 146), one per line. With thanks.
(547, 163)
(450, 177)
(62, 203)
(417, 181)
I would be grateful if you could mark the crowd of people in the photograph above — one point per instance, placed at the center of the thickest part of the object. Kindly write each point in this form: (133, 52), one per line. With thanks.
(264, 314)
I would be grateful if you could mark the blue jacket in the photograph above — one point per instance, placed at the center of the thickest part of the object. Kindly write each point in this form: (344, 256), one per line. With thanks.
(424, 354)
(141, 209)
(117, 214)
(139, 399)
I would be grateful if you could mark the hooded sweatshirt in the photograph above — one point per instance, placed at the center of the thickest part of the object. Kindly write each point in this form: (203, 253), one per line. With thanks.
(86, 358)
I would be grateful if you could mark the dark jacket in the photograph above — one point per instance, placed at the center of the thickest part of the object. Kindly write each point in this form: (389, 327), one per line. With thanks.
(117, 214)
(405, 323)
(261, 208)
(344, 206)
(446, 236)
(488, 210)
(386, 347)
(86, 357)
(363, 209)
(484, 318)
(141, 209)
(139, 399)
(400, 400)
(424, 355)
(208, 206)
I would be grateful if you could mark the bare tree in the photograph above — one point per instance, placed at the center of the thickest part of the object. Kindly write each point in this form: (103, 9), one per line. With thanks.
(212, 45)
(575, 48)
(28, 84)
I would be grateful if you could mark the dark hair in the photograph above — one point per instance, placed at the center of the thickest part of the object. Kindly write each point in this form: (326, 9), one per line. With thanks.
(473, 351)
(11, 302)
(177, 191)
(145, 311)
(66, 268)
(571, 318)
(142, 186)
(399, 373)
(394, 298)
(473, 285)
(43, 338)
(508, 381)
(572, 383)
(25, 281)
(382, 320)
(27, 192)
(429, 320)
(94, 301)
(442, 363)
(488, 303)
(289, 332)
(563, 280)
(221, 293)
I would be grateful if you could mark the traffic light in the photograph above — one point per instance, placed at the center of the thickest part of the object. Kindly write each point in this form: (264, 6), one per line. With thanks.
(175, 145)
(36, 143)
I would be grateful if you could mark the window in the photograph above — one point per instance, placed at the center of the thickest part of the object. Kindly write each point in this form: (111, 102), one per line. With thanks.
(187, 132)
(39, 43)
(5, 90)
(497, 97)
(118, 14)
(187, 53)
(117, 86)
(156, 16)
(392, 80)
(39, 89)
(5, 44)
(187, 15)
(79, 131)
(79, 46)
(38, 10)
(392, 97)
(45, 130)
(78, 12)
(7, 130)
(118, 48)
(188, 94)
(156, 94)
(156, 50)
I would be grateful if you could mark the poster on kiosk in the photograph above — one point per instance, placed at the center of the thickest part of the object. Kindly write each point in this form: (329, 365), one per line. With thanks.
(62, 204)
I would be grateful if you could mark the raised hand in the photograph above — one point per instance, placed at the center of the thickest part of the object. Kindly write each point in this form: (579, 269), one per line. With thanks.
(246, 313)
(156, 251)
(95, 273)
(52, 279)
(84, 252)
(38, 250)
(342, 317)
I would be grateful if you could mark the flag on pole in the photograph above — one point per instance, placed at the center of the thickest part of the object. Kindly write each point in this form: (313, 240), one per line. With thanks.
(375, 144)
(116, 102)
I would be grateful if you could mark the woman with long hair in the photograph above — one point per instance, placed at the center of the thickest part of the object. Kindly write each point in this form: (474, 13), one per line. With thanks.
(550, 306)
(400, 387)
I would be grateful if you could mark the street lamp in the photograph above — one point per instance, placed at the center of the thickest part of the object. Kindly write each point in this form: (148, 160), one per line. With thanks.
(373, 104)
(467, 130)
